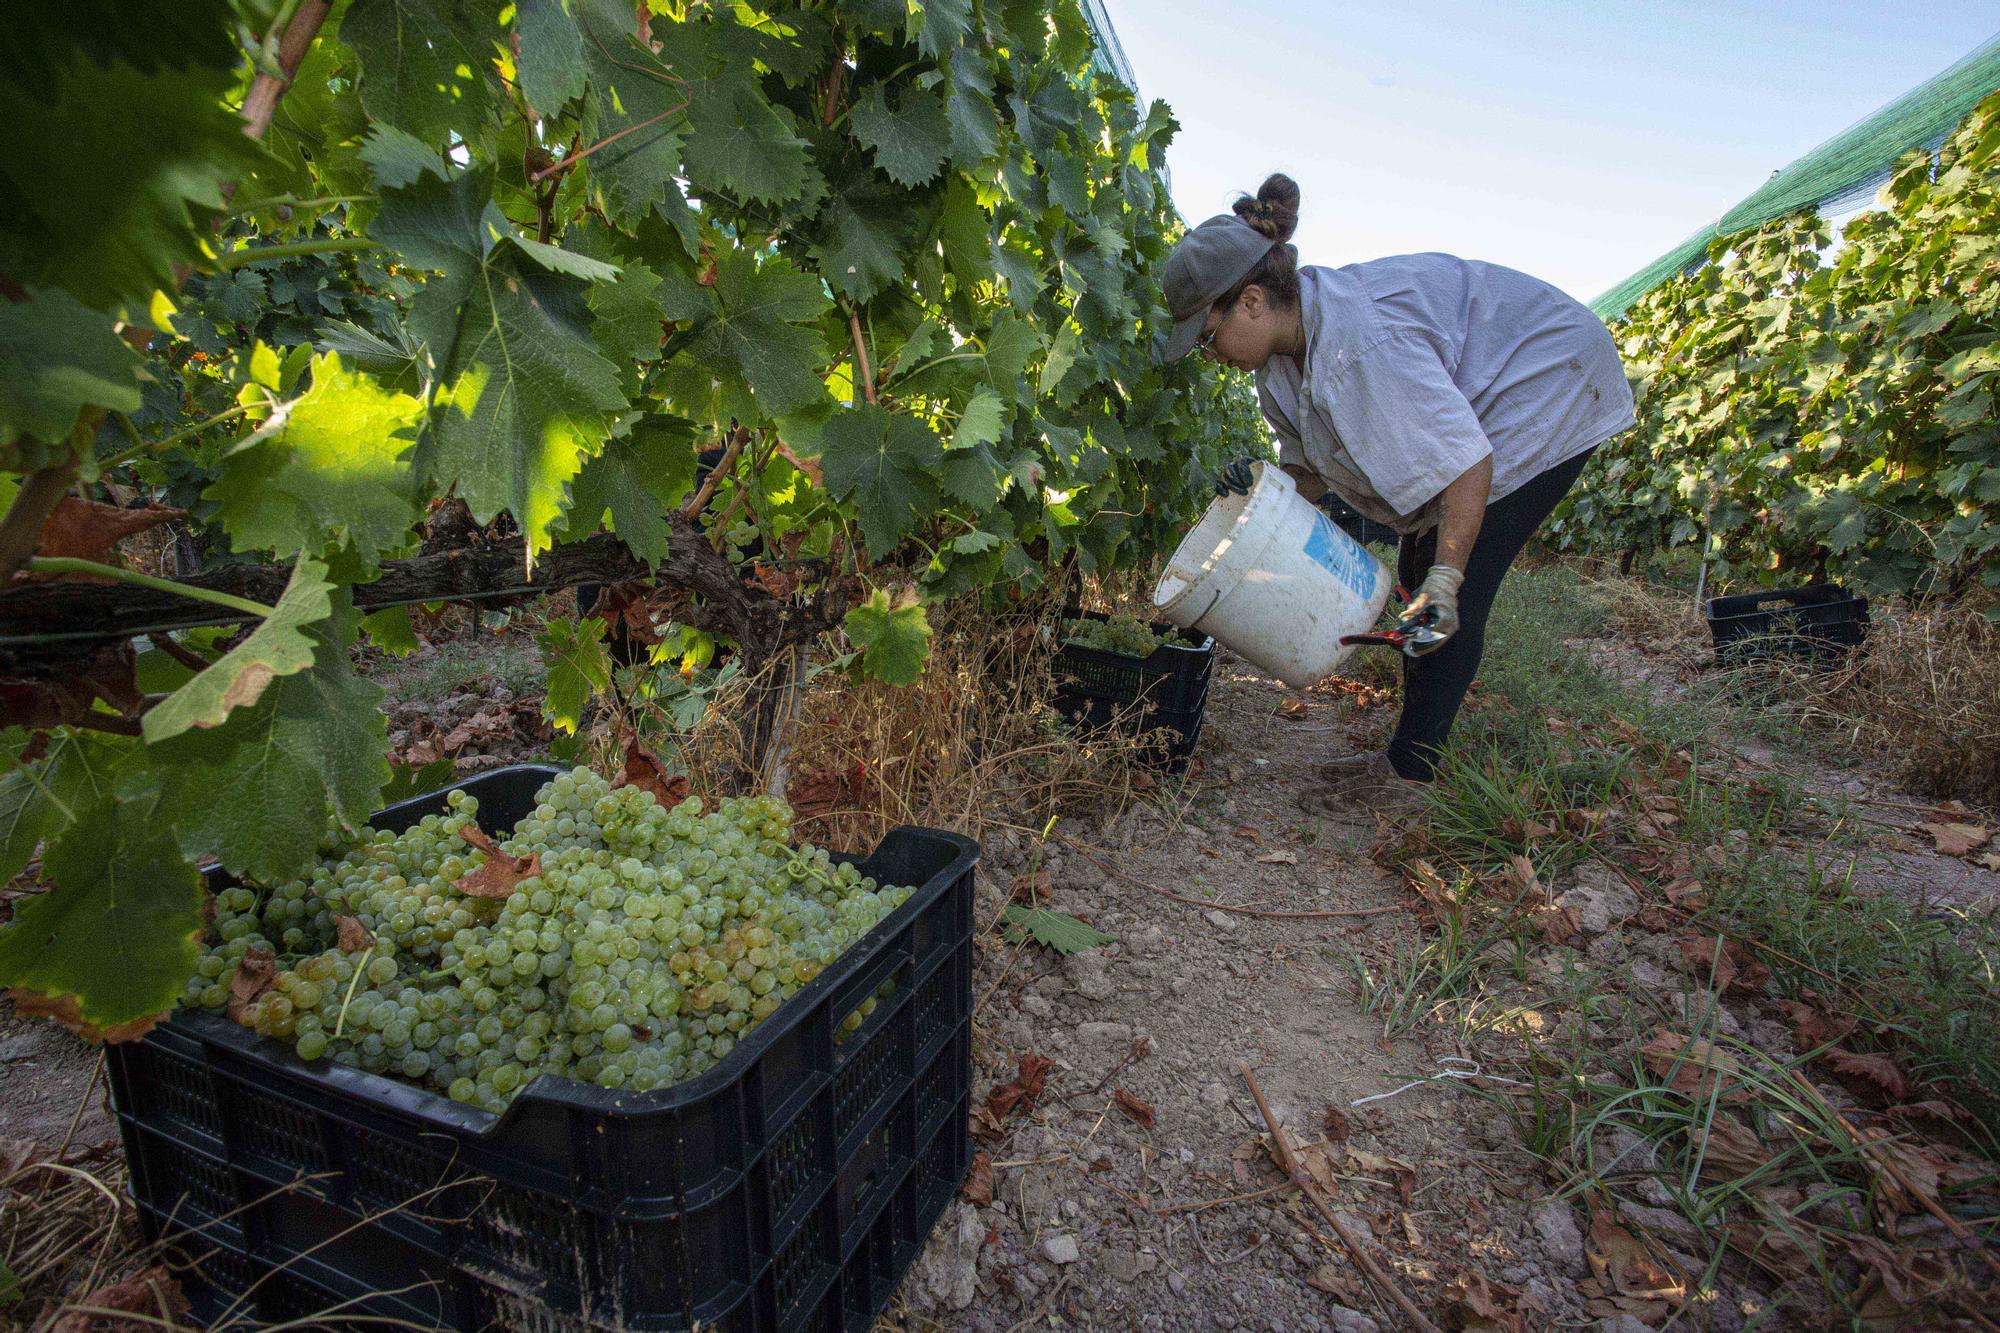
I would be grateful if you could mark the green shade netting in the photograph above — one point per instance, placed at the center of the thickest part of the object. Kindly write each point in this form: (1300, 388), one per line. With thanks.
(1849, 167)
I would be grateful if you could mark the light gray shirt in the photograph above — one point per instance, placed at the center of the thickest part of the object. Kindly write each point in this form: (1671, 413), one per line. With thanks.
(1418, 366)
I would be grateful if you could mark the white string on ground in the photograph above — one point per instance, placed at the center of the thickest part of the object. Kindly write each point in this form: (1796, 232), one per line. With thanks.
(1452, 1067)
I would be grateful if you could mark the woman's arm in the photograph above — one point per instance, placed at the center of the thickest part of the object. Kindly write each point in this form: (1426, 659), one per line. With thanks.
(1309, 483)
(1461, 511)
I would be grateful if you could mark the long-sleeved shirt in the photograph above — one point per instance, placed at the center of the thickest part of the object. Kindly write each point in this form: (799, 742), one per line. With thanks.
(1417, 367)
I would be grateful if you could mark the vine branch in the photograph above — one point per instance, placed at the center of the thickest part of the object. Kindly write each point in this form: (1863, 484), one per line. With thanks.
(65, 564)
(265, 93)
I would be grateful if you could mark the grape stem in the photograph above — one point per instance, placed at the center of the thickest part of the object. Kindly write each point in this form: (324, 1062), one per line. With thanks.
(360, 966)
(65, 564)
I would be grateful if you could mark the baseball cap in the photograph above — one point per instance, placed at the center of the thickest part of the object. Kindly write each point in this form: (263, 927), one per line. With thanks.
(1209, 260)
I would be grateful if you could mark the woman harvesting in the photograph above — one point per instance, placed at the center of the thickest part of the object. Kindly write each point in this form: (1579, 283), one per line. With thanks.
(1452, 400)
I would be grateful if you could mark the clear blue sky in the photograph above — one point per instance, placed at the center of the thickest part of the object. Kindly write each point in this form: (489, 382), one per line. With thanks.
(1577, 141)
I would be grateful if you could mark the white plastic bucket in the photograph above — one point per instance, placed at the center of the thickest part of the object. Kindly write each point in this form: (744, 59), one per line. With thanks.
(1271, 576)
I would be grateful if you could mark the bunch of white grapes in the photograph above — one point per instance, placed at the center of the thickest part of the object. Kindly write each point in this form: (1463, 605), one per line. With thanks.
(1126, 635)
(650, 942)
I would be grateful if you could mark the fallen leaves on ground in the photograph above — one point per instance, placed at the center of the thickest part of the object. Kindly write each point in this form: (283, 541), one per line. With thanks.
(978, 1187)
(1726, 962)
(1020, 1093)
(1293, 706)
(825, 791)
(15, 1154)
(1730, 1149)
(1692, 1066)
(1279, 858)
(1625, 1278)
(1957, 839)
(1874, 1073)
(1475, 1303)
(1334, 1121)
(1032, 889)
(1813, 1024)
(1132, 1106)
(255, 974)
(499, 874)
(152, 1295)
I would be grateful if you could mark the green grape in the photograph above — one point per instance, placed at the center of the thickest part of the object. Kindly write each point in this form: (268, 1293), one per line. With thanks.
(1126, 635)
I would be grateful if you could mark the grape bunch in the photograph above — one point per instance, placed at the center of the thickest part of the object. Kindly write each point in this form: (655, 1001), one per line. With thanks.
(642, 943)
(1126, 635)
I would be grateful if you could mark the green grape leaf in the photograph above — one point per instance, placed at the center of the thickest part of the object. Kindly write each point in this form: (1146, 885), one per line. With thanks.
(40, 801)
(390, 630)
(972, 475)
(315, 741)
(118, 930)
(885, 463)
(1057, 930)
(637, 479)
(551, 59)
(396, 159)
(909, 143)
(407, 780)
(424, 63)
(941, 26)
(762, 326)
(626, 318)
(57, 358)
(894, 637)
(983, 419)
(111, 178)
(277, 647)
(637, 98)
(524, 396)
(975, 125)
(331, 471)
(860, 250)
(579, 669)
(974, 542)
(742, 145)
(965, 232)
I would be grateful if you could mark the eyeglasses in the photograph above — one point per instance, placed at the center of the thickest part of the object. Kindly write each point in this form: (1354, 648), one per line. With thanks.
(1205, 344)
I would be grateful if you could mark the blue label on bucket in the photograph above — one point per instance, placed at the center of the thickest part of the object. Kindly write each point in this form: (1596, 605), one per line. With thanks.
(1341, 556)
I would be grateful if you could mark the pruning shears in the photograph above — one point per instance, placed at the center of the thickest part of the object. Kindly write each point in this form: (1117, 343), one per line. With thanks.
(1413, 635)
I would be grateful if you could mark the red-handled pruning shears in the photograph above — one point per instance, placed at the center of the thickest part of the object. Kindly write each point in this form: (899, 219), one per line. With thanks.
(1413, 635)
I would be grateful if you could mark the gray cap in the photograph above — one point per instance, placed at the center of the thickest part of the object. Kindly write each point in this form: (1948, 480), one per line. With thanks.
(1209, 260)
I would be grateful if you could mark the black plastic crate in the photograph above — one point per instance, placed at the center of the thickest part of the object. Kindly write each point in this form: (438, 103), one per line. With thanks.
(1181, 726)
(1174, 677)
(787, 1188)
(1819, 624)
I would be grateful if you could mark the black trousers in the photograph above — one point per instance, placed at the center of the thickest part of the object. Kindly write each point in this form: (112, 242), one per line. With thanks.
(1434, 685)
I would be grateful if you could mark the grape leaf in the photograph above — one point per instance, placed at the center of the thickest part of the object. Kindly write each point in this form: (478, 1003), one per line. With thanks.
(40, 801)
(332, 471)
(57, 358)
(407, 780)
(894, 637)
(110, 180)
(277, 647)
(860, 247)
(742, 145)
(885, 462)
(1058, 930)
(118, 929)
(396, 159)
(975, 125)
(909, 143)
(524, 396)
(551, 53)
(983, 419)
(636, 479)
(424, 63)
(390, 630)
(636, 97)
(626, 320)
(754, 330)
(579, 669)
(315, 741)
(941, 26)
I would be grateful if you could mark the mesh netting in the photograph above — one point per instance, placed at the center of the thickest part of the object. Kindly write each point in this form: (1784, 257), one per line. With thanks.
(1841, 173)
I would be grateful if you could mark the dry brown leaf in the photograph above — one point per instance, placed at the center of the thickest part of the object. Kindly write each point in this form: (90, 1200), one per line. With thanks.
(1691, 1066)
(1957, 839)
(809, 466)
(88, 530)
(15, 1154)
(644, 770)
(351, 935)
(978, 1187)
(1873, 1072)
(152, 1294)
(1245, 831)
(64, 1010)
(1988, 860)
(1475, 1303)
(1032, 889)
(1727, 963)
(257, 973)
(1621, 1261)
(1132, 1106)
(1813, 1026)
(824, 791)
(1293, 706)
(1280, 857)
(1333, 1279)
(1731, 1149)
(499, 874)
(1334, 1121)
(1023, 1090)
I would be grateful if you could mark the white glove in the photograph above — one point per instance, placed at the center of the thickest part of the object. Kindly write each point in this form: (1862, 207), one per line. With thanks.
(1439, 595)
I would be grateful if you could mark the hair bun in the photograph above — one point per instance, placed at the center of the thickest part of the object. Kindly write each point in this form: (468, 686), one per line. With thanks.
(1275, 210)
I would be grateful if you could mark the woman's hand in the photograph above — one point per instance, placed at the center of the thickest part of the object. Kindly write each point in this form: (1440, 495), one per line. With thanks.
(1438, 595)
(1236, 477)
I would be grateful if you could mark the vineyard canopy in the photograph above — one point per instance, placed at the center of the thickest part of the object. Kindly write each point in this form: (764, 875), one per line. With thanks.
(1840, 174)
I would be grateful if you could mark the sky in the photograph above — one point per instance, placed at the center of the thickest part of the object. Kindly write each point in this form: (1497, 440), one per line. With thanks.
(1575, 141)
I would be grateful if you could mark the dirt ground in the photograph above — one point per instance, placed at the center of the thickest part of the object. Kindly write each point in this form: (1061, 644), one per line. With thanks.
(1136, 1192)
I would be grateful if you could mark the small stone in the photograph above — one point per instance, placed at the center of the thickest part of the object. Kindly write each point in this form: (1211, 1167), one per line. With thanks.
(1351, 1321)
(1600, 898)
(1623, 1323)
(1036, 1006)
(1225, 1321)
(1215, 1095)
(1061, 1249)
(1104, 1034)
(17, 1047)
(1555, 1224)
(1129, 1265)
(1665, 1223)
(948, 1270)
(1176, 1283)
(1220, 920)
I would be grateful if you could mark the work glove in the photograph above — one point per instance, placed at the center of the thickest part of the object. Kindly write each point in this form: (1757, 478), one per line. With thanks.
(1236, 478)
(1437, 595)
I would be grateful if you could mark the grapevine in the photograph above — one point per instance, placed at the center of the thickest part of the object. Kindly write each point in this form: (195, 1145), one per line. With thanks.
(886, 272)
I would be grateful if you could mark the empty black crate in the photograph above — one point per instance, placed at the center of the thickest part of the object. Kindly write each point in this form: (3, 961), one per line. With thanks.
(1181, 727)
(1174, 677)
(787, 1188)
(1818, 624)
